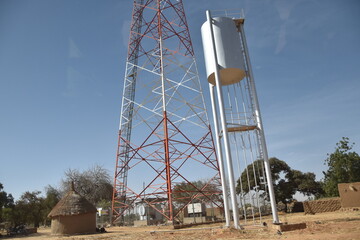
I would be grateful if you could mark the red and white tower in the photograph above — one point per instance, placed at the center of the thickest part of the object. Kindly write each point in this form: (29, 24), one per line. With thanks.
(165, 144)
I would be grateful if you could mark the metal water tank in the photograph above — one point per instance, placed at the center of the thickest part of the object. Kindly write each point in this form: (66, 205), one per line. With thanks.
(228, 49)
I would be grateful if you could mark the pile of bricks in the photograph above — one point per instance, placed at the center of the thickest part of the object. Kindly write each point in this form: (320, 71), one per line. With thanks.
(322, 205)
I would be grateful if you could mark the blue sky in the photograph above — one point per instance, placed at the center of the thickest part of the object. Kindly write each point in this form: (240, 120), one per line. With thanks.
(62, 64)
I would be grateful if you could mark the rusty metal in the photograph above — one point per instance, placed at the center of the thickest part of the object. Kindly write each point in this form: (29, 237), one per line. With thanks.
(165, 138)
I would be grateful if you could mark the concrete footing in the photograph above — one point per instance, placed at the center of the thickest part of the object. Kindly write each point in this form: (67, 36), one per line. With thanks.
(289, 227)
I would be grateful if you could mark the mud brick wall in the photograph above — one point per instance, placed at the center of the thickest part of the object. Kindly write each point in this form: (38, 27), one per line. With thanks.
(349, 194)
(322, 205)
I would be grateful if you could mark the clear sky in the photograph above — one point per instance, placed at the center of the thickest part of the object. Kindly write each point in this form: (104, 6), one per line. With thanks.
(62, 64)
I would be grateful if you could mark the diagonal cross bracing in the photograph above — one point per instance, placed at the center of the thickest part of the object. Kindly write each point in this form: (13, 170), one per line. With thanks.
(165, 140)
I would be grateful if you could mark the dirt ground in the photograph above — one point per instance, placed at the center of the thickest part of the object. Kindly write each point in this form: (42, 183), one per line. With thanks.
(335, 225)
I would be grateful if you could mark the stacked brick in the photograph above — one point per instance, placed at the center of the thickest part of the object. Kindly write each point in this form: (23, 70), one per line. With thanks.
(322, 205)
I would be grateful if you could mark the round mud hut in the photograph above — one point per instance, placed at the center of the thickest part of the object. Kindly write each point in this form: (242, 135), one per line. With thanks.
(73, 214)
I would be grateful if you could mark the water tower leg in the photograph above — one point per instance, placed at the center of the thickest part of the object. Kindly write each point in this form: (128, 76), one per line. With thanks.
(220, 157)
(225, 136)
(260, 126)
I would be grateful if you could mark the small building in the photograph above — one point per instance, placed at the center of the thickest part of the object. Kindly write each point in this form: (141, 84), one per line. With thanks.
(349, 194)
(73, 214)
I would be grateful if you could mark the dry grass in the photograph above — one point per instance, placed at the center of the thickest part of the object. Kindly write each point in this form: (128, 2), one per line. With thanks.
(336, 225)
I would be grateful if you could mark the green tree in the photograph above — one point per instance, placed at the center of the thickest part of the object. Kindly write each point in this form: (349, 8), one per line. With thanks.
(28, 210)
(286, 181)
(105, 204)
(49, 202)
(343, 167)
(306, 183)
(6, 204)
(8, 215)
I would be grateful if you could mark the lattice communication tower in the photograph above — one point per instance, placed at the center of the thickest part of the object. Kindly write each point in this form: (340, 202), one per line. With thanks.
(165, 144)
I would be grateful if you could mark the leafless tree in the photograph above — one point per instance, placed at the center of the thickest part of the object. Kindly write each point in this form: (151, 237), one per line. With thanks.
(94, 184)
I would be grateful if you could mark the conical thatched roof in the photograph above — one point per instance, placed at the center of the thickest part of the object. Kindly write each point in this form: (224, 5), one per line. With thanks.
(72, 204)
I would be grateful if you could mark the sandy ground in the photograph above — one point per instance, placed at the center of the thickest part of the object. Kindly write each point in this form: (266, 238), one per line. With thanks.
(336, 225)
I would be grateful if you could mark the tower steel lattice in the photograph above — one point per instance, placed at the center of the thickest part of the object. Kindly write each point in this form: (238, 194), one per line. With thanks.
(165, 144)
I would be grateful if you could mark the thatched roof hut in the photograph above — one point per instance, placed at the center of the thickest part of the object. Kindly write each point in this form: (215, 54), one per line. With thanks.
(73, 214)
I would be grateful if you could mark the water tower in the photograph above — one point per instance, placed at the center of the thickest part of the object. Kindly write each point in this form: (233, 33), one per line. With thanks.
(238, 125)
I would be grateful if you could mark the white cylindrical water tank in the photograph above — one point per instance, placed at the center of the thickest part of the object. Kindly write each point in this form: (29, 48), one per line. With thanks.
(228, 49)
